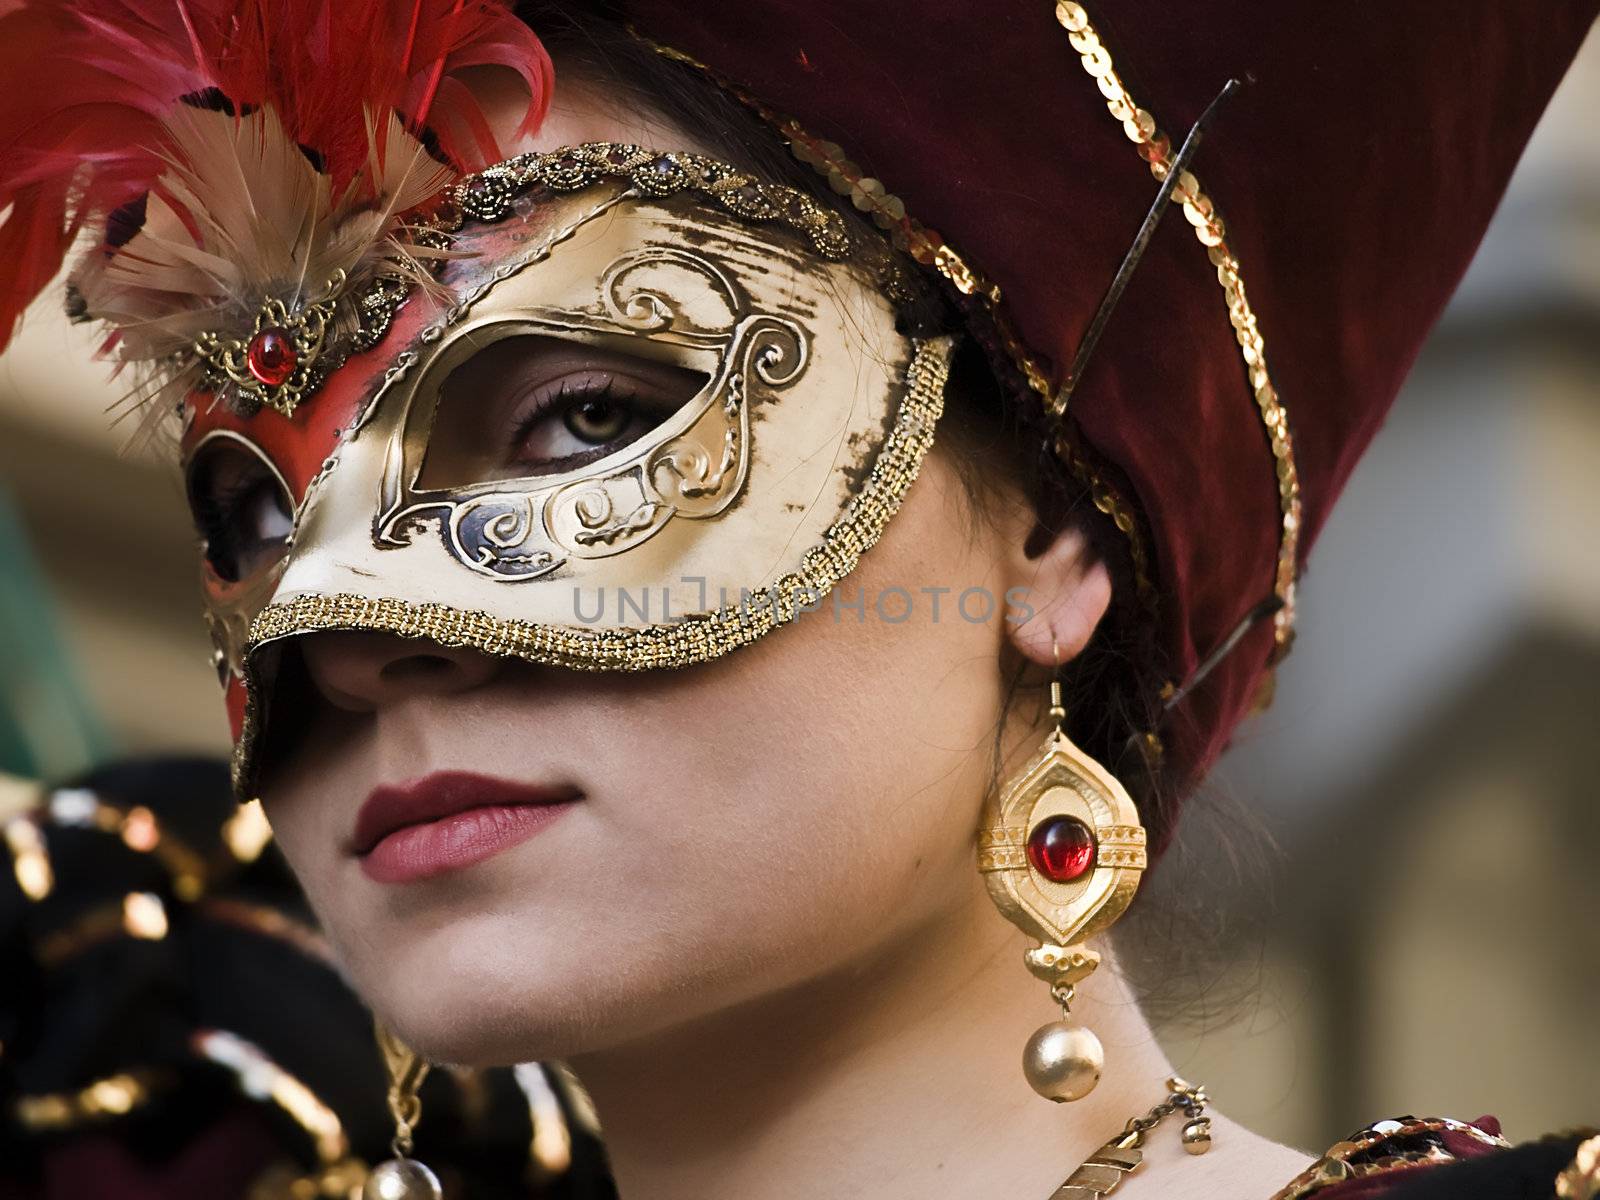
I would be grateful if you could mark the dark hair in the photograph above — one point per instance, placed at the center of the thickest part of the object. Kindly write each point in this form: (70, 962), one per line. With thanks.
(998, 440)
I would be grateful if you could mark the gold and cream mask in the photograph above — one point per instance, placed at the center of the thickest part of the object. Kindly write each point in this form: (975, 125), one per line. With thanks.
(662, 410)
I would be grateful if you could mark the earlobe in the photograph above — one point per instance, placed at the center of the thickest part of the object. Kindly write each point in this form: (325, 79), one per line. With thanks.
(1068, 590)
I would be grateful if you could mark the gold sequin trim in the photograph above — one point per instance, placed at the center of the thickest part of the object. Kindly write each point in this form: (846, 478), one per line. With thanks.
(1198, 208)
(929, 248)
(695, 639)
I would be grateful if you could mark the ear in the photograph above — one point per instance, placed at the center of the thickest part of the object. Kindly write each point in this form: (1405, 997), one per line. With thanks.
(1064, 593)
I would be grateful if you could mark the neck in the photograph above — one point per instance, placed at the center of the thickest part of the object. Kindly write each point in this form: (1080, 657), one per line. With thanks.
(898, 1077)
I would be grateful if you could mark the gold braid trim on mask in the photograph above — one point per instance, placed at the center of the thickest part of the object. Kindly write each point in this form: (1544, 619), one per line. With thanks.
(694, 639)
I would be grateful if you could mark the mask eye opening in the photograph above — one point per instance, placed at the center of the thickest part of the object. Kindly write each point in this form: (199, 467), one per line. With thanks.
(242, 507)
(535, 404)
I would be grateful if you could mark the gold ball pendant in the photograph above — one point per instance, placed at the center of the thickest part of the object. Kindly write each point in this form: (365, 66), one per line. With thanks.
(1197, 1135)
(402, 1179)
(1063, 1062)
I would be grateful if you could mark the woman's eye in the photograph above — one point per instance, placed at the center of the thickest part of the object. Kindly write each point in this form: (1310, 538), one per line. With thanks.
(532, 406)
(564, 426)
(596, 421)
(240, 510)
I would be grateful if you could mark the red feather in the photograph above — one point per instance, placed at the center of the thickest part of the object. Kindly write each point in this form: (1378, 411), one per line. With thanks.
(90, 84)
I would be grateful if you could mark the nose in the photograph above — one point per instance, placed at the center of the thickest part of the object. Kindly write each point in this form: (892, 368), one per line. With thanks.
(363, 672)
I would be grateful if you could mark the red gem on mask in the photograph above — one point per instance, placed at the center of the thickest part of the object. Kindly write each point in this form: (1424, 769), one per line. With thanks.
(1061, 848)
(271, 356)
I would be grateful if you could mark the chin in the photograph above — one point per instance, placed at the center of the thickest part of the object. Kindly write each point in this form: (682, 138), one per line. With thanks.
(465, 996)
(493, 990)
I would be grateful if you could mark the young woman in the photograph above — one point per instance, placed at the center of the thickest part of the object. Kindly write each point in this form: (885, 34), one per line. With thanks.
(649, 544)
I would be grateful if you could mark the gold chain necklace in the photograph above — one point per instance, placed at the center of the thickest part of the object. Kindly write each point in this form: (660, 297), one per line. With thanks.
(1107, 1167)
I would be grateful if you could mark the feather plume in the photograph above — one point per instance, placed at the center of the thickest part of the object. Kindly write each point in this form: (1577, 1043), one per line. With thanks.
(274, 143)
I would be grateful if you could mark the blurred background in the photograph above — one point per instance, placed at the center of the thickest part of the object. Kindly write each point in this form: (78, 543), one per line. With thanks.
(1420, 935)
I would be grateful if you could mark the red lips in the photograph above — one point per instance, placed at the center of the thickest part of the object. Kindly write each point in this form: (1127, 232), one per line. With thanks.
(449, 820)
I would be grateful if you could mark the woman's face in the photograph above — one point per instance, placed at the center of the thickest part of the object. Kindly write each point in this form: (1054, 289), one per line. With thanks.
(731, 829)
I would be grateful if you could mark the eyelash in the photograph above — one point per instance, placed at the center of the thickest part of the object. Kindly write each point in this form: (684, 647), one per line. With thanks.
(565, 398)
(214, 512)
(216, 517)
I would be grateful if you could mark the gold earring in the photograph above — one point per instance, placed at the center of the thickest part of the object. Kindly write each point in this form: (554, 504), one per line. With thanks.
(1062, 852)
(402, 1177)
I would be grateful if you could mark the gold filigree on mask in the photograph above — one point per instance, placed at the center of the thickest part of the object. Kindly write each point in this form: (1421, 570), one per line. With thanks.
(692, 467)
(794, 410)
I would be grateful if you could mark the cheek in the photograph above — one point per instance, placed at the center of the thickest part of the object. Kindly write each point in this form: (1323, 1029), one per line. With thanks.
(813, 798)
(323, 764)
(310, 801)
(826, 801)
(750, 823)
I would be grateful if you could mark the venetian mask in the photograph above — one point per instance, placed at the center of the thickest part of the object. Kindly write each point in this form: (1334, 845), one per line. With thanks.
(642, 411)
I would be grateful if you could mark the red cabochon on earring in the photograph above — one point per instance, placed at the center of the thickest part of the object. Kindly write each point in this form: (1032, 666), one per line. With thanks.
(1061, 848)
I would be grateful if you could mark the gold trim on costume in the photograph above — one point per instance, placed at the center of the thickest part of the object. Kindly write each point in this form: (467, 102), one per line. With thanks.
(1344, 1160)
(263, 1079)
(104, 1099)
(138, 829)
(140, 915)
(490, 195)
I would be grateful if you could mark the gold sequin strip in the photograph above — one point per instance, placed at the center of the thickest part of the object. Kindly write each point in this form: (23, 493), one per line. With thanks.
(888, 211)
(675, 644)
(1198, 208)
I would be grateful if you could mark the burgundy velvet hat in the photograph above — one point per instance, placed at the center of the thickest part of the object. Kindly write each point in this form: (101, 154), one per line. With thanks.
(1015, 148)
(1012, 143)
